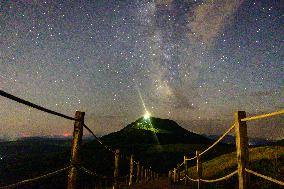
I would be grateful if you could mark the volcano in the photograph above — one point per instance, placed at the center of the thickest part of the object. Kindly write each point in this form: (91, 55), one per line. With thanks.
(154, 131)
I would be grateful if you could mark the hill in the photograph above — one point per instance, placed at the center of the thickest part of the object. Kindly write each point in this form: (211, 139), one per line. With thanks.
(267, 160)
(159, 143)
(154, 131)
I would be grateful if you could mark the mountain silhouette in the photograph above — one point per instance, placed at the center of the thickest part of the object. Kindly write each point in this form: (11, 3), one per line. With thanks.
(154, 131)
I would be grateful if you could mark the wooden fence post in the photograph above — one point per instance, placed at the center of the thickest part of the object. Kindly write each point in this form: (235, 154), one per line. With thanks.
(185, 170)
(142, 174)
(75, 149)
(175, 175)
(199, 169)
(116, 168)
(178, 172)
(138, 172)
(146, 175)
(131, 170)
(242, 148)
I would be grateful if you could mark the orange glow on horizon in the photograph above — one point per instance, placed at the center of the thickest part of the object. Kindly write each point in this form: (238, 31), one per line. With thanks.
(65, 134)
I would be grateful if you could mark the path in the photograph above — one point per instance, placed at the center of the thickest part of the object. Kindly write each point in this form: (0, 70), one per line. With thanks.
(162, 183)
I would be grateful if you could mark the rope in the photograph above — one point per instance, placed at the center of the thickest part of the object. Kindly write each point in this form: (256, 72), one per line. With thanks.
(88, 171)
(34, 179)
(263, 115)
(105, 146)
(97, 139)
(265, 177)
(27, 103)
(191, 158)
(222, 178)
(194, 180)
(182, 179)
(217, 141)
(181, 164)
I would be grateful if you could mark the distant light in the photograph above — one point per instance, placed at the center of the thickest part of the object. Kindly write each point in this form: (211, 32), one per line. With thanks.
(147, 115)
(66, 134)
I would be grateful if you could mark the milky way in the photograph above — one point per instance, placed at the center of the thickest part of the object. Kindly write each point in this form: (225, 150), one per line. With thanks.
(196, 62)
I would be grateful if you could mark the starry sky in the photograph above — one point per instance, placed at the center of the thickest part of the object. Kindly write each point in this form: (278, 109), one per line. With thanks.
(193, 61)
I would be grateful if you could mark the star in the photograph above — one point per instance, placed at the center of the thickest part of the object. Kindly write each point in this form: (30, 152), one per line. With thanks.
(179, 59)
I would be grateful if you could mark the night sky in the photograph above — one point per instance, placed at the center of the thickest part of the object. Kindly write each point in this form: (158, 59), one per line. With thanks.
(196, 62)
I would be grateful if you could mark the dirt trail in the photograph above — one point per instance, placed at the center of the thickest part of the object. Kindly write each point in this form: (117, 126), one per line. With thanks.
(162, 183)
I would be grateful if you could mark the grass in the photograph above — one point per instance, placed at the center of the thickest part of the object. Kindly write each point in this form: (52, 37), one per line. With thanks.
(266, 160)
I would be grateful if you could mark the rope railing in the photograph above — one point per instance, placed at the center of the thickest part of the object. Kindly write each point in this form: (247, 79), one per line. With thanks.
(97, 139)
(220, 179)
(242, 154)
(239, 121)
(27, 181)
(109, 149)
(192, 179)
(214, 144)
(217, 141)
(190, 158)
(27, 103)
(79, 124)
(264, 115)
(206, 150)
(265, 177)
(105, 146)
(211, 181)
(89, 172)
(182, 179)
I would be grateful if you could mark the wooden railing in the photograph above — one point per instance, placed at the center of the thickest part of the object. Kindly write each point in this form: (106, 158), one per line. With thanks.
(143, 174)
(242, 156)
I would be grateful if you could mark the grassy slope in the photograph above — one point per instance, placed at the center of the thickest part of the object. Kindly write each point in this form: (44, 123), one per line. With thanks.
(266, 160)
